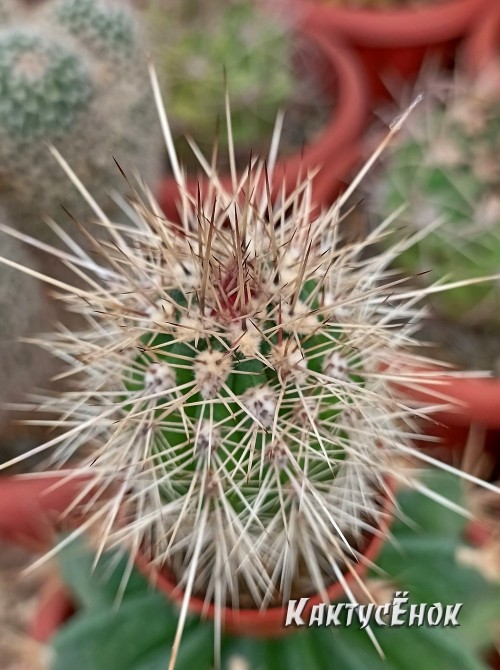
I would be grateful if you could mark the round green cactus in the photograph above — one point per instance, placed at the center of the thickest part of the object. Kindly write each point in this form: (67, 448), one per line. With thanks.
(102, 25)
(24, 311)
(45, 86)
(445, 167)
(239, 393)
(91, 101)
(237, 382)
(200, 47)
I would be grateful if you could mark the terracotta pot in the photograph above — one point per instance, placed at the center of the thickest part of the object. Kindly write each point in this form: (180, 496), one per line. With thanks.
(393, 44)
(483, 45)
(477, 401)
(31, 506)
(55, 607)
(30, 510)
(267, 623)
(335, 150)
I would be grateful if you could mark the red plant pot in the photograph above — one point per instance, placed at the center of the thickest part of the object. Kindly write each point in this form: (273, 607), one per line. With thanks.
(55, 607)
(475, 400)
(32, 505)
(393, 44)
(336, 149)
(267, 623)
(483, 45)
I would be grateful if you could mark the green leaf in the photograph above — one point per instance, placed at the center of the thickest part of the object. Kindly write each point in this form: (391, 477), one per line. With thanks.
(137, 636)
(96, 587)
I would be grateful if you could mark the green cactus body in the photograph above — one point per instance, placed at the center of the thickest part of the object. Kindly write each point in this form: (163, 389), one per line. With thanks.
(199, 48)
(446, 167)
(238, 379)
(25, 310)
(44, 86)
(68, 79)
(102, 25)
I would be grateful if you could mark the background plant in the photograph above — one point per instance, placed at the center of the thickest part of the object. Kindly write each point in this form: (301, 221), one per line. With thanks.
(444, 171)
(71, 75)
(200, 48)
(25, 309)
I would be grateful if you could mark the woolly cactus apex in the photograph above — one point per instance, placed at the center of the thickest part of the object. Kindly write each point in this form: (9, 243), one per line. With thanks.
(200, 46)
(445, 168)
(59, 90)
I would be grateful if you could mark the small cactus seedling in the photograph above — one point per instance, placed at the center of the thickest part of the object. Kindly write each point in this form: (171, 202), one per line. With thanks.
(445, 168)
(237, 390)
(71, 76)
(199, 45)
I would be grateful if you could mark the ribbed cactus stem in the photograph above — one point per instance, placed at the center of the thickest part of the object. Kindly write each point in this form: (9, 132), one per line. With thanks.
(239, 391)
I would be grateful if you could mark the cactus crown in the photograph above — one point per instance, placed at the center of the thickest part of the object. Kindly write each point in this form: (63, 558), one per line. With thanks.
(445, 167)
(198, 46)
(105, 27)
(44, 85)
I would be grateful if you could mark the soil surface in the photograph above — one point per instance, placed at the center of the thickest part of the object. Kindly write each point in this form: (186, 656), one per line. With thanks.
(18, 601)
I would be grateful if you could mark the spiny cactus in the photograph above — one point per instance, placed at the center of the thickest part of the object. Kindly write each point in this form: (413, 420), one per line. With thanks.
(63, 84)
(238, 391)
(446, 168)
(198, 45)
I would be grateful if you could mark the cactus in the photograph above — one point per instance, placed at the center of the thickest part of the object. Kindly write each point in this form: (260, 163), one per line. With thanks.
(104, 27)
(197, 45)
(24, 311)
(72, 76)
(238, 384)
(382, 4)
(238, 390)
(446, 167)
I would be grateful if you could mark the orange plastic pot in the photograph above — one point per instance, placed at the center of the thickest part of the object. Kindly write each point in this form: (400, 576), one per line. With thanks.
(336, 149)
(474, 400)
(55, 608)
(483, 45)
(393, 44)
(32, 505)
(267, 623)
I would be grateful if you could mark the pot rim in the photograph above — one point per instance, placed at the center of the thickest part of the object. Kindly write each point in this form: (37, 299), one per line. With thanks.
(269, 623)
(395, 28)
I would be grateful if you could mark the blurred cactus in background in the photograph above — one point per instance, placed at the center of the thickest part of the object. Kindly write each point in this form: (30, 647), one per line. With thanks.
(198, 44)
(24, 310)
(72, 75)
(446, 168)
